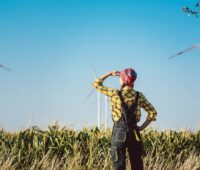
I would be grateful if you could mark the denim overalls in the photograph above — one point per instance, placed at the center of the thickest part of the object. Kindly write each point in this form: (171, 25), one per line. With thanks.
(125, 134)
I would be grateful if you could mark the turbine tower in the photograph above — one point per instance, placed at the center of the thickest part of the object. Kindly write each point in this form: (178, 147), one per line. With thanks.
(99, 110)
(106, 112)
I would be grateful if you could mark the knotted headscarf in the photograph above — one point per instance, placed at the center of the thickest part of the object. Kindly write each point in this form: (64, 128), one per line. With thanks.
(128, 76)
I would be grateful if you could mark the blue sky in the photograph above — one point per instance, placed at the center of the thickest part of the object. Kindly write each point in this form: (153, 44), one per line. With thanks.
(52, 45)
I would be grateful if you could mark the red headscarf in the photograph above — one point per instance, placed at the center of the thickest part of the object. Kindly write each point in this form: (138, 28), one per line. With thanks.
(128, 76)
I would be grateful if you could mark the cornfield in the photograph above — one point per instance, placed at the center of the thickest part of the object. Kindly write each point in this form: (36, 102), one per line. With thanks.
(65, 148)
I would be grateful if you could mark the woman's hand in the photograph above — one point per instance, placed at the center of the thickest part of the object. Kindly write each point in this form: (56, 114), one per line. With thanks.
(114, 73)
(144, 125)
(140, 128)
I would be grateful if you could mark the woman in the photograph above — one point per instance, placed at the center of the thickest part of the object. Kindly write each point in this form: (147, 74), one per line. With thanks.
(126, 104)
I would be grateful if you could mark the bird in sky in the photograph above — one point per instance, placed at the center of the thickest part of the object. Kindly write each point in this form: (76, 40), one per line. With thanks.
(184, 51)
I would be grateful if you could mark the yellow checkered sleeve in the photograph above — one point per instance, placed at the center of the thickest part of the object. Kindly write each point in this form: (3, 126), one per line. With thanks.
(148, 107)
(98, 85)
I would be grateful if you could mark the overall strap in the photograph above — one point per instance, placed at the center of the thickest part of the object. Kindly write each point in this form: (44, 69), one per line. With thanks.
(127, 109)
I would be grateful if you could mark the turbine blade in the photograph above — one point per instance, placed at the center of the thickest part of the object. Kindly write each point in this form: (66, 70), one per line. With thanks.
(6, 68)
(88, 96)
(92, 91)
(186, 50)
(94, 71)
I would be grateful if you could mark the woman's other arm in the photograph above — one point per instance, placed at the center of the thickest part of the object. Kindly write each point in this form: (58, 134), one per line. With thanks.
(152, 113)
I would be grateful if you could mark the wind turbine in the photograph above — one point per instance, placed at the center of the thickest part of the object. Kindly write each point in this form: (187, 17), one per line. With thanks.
(98, 102)
(99, 116)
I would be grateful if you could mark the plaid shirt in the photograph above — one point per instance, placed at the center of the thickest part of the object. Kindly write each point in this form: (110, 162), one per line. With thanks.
(129, 95)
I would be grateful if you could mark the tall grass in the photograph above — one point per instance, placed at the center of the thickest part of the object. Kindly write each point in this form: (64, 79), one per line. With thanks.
(65, 148)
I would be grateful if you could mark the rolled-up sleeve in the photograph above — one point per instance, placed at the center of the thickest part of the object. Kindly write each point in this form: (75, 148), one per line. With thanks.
(98, 85)
(148, 107)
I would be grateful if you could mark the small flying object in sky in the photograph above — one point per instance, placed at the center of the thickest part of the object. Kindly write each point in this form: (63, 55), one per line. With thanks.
(192, 12)
(6, 68)
(186, 50)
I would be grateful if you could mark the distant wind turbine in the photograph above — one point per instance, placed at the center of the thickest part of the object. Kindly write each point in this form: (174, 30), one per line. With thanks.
(6, 68)
(184, 51)
(99, 104)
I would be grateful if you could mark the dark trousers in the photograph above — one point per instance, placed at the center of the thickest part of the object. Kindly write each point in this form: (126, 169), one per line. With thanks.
(122, 139)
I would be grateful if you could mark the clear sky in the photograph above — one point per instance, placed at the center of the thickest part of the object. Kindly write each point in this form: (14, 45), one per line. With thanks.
(52, 45)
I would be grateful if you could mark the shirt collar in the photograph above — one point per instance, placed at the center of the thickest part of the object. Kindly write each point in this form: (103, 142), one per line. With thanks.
(127, 88)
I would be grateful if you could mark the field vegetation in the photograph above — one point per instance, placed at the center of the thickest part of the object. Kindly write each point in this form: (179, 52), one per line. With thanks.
(89, 149)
